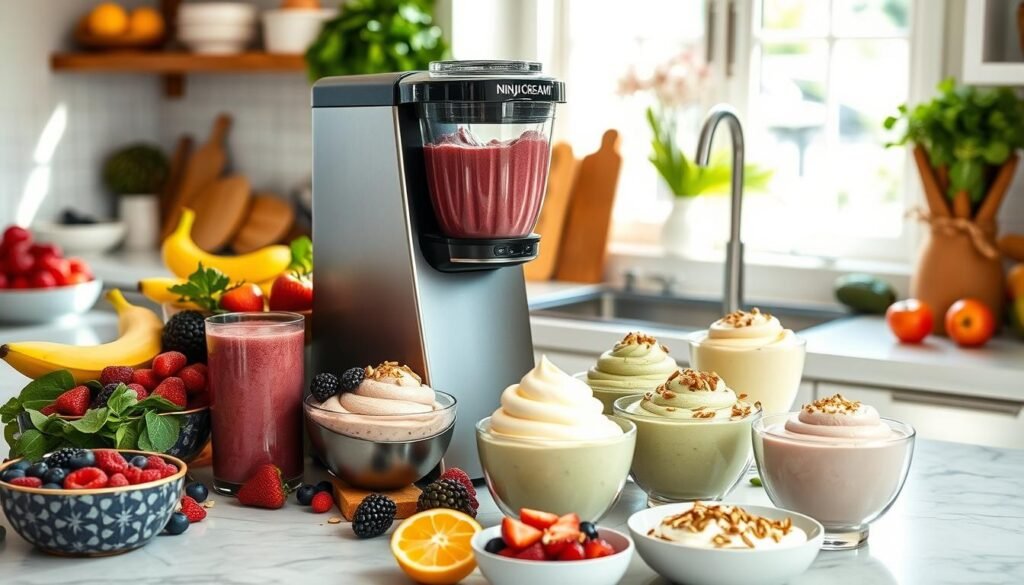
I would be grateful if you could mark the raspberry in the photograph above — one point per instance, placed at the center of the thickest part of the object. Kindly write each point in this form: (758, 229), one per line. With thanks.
(31, 482)
(116, 374)
(172, 389)
(192, 510)
(110, 461)
(146, 378)
(168, 470)
(149, 475)
(168, 363)
(193, 377)
(140, 390)
(155, 462)
(86, 478)
(117, 480)
(461, 477)
(322, 502)
(134, 475)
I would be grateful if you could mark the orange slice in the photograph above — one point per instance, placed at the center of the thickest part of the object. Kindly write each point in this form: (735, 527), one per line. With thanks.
(433, 546)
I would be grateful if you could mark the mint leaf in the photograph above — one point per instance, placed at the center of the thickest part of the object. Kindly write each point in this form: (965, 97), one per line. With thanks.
(127, 435)
(159, 403)
(10, 410)
(39, 420)
(204, 288)
(143, 439)
(121, 400)
(162, 431)
(92, 422)
(11, 431)
(31, 445)
(302, 255)
(42, 391)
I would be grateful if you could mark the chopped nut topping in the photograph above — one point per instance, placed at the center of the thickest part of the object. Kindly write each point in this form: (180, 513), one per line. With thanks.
(389, 370)
(692, 380)
(702, 413)
(733, 522)
(741, 410)
(835, 404)
(638, 338)
(739, 319)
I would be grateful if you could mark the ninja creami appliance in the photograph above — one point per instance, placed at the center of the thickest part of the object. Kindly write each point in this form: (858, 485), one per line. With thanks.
(426, 189)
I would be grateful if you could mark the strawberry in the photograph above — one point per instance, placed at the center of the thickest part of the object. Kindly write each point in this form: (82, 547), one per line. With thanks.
(245, 298)
(534, 552)
(573, 551)
(194, 378)
(536, 518)
(461, 477)
(149, 475)
(598, 548)
(292, 292)
(79, 266)
(518, 535)
(173, 389)
(110, 461)
(264, 489)
(561, 534)
(508, 551)
(42, 279)
(140, 391)
(118, 480)
(322, 502)
(146, 378)
(86, 478)
(116, 375)
(192, 510)
(49, 409)
(29, 482)
(74, 402)
(168, 363)
(58, 268)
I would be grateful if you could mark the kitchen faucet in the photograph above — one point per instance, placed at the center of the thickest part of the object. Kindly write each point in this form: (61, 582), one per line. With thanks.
(732, 298)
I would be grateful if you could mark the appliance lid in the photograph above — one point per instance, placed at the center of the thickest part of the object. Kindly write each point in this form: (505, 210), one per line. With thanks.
(481, 81)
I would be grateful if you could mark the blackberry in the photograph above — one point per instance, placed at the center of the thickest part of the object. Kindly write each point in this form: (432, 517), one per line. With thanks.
(446, 493)
(323, 386)
(103, 396)
(352, 378)
(374, 516)
(63, 457)
(186, 332)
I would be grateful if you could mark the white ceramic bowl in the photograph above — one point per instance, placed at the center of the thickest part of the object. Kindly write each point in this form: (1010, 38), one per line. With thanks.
(501, 570)
(81, 238)
(708, 566)
(293, 31)
(41, 305)
(216, 38)
(216, 13)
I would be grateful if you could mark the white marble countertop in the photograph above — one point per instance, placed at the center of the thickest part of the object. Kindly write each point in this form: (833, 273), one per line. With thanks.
(959, 520)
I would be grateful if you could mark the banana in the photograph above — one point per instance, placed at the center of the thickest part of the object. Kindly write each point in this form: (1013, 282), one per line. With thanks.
(155, 289)
(139, 341)
(182, 256)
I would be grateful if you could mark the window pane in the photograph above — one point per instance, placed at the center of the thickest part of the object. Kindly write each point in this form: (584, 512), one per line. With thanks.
(795, 16)
(875, 18)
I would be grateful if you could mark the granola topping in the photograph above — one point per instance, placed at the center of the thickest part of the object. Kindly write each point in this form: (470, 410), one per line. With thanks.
(723, 526)
(835, 404)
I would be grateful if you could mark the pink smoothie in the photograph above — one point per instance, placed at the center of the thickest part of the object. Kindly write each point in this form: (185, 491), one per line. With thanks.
(487, 190)
(256, 375)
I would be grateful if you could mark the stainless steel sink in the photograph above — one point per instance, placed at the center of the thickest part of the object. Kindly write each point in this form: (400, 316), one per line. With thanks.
(669, 311)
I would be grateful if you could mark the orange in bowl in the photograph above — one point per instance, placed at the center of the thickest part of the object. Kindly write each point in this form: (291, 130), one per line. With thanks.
(145, 23)
(433, 546)
(107, 20)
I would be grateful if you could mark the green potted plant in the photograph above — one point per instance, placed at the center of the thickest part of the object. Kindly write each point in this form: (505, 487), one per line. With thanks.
(377, 36)
(136, 174)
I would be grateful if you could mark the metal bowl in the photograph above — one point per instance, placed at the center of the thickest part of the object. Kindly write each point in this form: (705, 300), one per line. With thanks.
(374, 464)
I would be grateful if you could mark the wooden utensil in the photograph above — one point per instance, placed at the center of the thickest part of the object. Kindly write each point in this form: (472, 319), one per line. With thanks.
(174, 174)
(221, 208)
(585, 241)
(204, 166)
(551, 223)
(269, 221)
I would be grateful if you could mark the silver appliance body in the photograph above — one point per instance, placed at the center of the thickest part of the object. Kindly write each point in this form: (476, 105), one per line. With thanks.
(377, 298)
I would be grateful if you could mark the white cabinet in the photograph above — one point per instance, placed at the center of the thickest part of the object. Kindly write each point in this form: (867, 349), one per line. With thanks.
(945, 417)
(992, 48)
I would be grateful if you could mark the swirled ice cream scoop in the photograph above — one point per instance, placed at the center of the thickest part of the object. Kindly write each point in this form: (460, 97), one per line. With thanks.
(837, 417)
(724, 526)
(742, 329)
(691, 394)
(549, 404)
(638, 363)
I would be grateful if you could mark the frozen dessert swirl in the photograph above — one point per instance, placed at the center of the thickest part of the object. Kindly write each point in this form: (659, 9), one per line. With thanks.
(837, 417)
(638, 362)
(549, 404)
(741, 329)
(389, 389)
(693, 394)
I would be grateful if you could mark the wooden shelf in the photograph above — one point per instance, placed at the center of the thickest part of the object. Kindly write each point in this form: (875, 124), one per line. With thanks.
(175, 65)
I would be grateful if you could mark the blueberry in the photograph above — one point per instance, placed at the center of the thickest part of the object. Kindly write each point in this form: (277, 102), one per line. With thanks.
(139, 461)
(52, 486)
(12, 473)
(305, 494)
(22, 465)
(177, 524)
(85, 458)
(494, 545)
(589, 530)
(324, 486)
(37, 470)
(55, 475)
(197, 491)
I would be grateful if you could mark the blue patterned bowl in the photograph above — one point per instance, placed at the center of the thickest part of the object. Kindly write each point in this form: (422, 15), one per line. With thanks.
(93, 523)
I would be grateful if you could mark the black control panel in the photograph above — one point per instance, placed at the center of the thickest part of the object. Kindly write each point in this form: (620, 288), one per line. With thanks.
(457, 255)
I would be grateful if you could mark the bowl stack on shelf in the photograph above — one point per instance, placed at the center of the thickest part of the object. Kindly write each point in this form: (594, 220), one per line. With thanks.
(218, 28)
(292, 28)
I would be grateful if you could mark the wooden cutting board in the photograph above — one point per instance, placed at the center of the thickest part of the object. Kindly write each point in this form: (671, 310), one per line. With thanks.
(221, 208)
(269, 221)
(204, 166)
(551, 223)
(585, 241)
(174, 175)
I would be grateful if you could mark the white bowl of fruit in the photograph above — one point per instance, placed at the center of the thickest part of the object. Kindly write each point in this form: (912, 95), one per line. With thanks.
(38, 284)
(544, 549)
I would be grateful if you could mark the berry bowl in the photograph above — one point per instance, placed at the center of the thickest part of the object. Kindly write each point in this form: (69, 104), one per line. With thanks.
(42, 305)
(502, 570)
(92, 522)
(369, 452)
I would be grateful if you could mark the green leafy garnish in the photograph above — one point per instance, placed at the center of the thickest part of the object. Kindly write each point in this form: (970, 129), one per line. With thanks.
(302, 255)
(204, 288)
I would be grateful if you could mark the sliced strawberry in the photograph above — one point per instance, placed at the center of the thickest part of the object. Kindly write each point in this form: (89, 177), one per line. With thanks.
(532, 553)
(565, 529)
(573, 551)
(598, 548)
(518, 535)
(508, 551)
(536, 518)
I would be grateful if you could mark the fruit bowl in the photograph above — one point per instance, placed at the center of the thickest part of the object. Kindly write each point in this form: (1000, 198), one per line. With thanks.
(93, 522)
(42, 305)
(82, 238)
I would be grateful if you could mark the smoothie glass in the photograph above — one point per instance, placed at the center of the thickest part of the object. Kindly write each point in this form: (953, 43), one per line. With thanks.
(767, 374)
(256, 369)
(843, 483)
(558, 476)
(681, 460)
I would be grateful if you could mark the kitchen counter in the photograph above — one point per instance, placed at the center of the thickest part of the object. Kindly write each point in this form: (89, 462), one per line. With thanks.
(960, 519)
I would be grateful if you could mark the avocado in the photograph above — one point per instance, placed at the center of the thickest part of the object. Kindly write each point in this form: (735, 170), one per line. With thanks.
(864, 293)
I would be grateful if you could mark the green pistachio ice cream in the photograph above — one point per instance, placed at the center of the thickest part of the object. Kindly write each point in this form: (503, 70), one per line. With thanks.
(636, 365)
